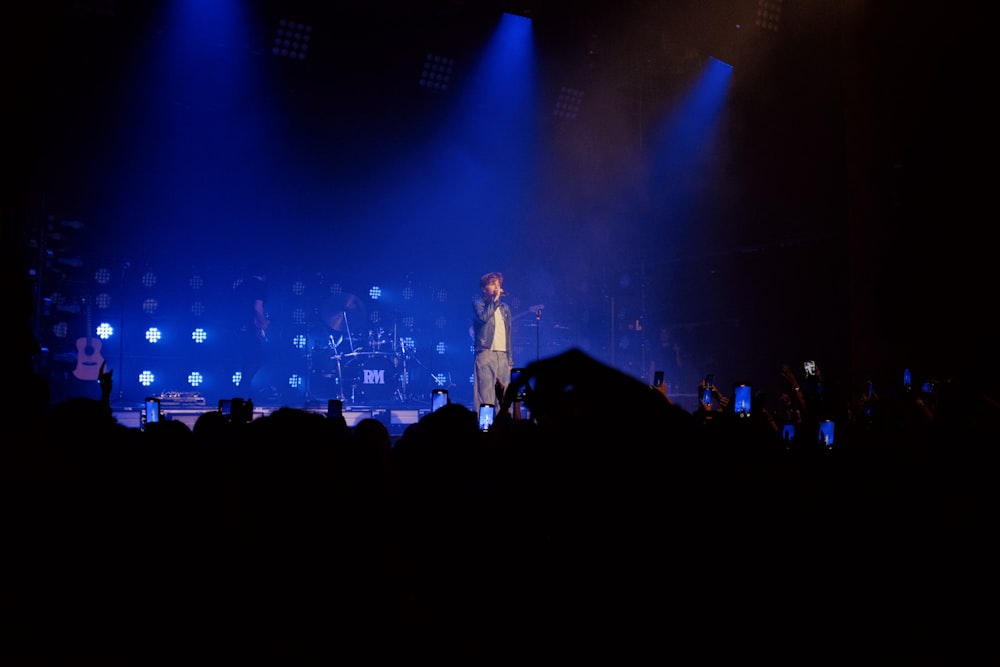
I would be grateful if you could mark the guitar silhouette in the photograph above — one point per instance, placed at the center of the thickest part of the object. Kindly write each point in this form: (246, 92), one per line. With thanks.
(88, 353)
(260, 326)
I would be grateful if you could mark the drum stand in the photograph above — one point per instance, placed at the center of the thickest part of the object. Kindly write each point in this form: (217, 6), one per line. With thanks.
(309, 372)
(350, 350)
(406, 352)
(401, 392)
(337, 355)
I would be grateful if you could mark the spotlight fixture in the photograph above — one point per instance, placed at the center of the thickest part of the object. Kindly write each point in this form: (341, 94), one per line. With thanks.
(292, 40)
(523, 9)
(437, 72)
(103, 8)
(568, 103)
(768, 15)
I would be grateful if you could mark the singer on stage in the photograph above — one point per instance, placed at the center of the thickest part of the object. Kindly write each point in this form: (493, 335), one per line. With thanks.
(491, 320)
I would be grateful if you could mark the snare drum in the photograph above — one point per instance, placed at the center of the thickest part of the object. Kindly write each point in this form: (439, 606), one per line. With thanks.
(370, 377)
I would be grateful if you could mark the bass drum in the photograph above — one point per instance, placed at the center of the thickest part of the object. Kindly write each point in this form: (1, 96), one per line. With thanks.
(370, 378)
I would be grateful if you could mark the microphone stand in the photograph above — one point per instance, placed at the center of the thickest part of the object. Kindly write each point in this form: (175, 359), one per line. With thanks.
(402, 392)
(121, 333)
(400, 345)
(309, 372)
(538, 334)
(340, 373)
(311, 366)
(347, 330)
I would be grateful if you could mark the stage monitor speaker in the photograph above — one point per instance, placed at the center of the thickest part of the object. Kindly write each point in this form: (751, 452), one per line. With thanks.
(406, 417)
(129, 418)
(352, 417)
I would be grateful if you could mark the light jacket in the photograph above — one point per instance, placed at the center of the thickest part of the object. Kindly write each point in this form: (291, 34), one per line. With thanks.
(484, 327)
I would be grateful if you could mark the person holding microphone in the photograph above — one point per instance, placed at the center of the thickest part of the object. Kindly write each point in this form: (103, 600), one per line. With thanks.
(494, 357)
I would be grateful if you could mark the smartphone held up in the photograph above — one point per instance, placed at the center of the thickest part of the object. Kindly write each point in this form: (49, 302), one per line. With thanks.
(826, 433)
(742, 399)
(487, 411)
(439, 398)
(151, 411)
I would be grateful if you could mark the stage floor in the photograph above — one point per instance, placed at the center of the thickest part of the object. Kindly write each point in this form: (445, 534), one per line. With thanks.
(396, 416)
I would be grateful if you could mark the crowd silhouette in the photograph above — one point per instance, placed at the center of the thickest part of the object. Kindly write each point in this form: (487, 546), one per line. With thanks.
(610, 525)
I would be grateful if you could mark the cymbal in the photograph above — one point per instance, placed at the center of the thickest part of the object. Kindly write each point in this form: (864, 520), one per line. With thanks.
(335, 306)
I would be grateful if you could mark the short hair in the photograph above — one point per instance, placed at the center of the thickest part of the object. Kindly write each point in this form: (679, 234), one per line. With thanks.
(490, 277)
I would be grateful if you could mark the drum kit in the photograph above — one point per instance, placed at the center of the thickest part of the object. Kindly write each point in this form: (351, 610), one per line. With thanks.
(365, 369)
